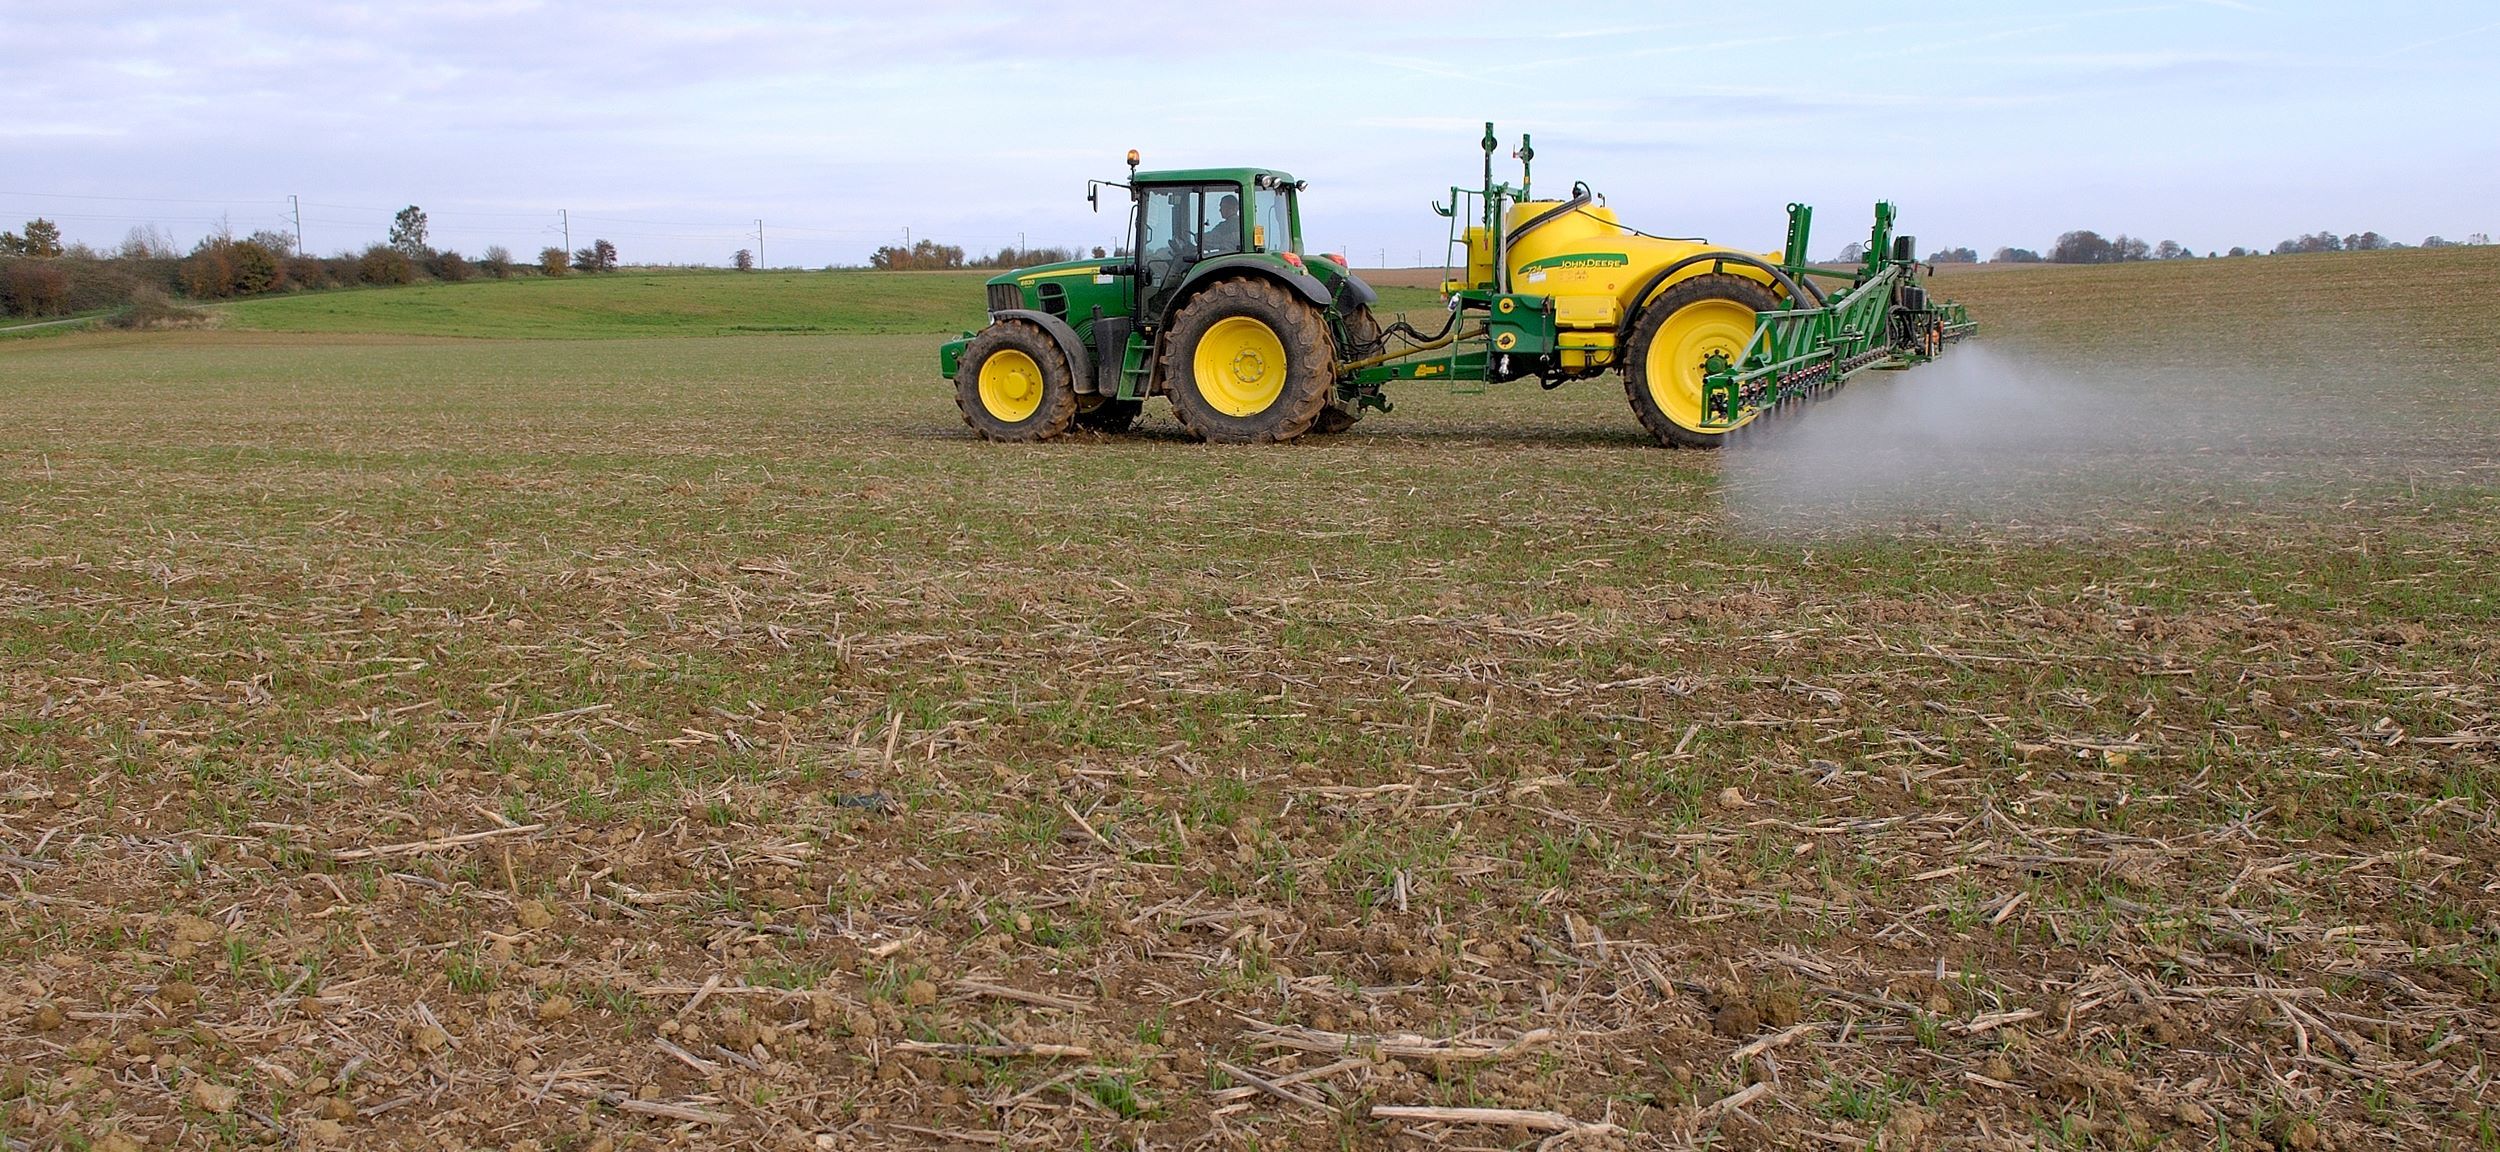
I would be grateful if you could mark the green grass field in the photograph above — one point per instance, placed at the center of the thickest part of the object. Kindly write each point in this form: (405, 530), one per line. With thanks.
(640, 303)
(634, 711)
(631, 304)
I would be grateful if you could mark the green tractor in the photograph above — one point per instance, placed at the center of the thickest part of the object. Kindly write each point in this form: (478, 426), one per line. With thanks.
(1214, 306)
(1217, 307)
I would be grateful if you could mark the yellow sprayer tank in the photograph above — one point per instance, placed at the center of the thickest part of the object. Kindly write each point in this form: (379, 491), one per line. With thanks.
(1705, 337)
(1590, 264)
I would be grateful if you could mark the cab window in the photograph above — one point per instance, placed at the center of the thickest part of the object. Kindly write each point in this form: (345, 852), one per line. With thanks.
(1184, 224)
(1274, 230)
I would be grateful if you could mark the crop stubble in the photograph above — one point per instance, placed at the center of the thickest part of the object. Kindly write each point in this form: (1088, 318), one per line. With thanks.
(699, 741)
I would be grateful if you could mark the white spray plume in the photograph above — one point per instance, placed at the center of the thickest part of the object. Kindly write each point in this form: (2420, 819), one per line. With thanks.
(1992, 436)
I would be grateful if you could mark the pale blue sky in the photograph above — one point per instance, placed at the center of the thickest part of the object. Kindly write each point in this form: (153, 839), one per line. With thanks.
(669, 128)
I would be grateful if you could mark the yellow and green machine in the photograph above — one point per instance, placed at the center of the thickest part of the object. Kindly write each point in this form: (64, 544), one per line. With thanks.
(1215, 306)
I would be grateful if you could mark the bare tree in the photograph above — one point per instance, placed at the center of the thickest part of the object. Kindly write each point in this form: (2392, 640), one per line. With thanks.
(599, 257)
(922, 255)
(147, 242)
(408, 232)
(43, 238)
(2082, 246)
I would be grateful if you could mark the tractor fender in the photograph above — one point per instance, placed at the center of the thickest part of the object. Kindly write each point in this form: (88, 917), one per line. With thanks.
(1080, 363)
(1796, 289)
(1302, 282)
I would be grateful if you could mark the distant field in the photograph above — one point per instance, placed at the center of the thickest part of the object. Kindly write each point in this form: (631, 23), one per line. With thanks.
(635, 710)
(631, 304)
(635, 304)
(2403, 318)
(1425, 278)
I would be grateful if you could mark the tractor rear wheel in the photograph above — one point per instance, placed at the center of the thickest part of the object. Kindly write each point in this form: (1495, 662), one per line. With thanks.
(1014, 384)
(1675, 337)
(1248, 362)
(1111, 416)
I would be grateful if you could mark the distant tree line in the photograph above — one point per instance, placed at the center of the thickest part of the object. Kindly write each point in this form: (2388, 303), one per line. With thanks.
(929, 255)
(2363, 242)
(2088, 247)
(40, 276)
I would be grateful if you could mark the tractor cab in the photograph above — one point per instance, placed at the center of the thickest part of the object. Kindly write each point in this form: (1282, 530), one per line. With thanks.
(1181, 219)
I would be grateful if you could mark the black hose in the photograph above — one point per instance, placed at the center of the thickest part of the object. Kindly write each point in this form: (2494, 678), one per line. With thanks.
(1401, 327)
(1379, 343)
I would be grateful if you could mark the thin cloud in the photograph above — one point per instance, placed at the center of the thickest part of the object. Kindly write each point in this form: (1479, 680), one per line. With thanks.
(844, 126)
(2439, 40)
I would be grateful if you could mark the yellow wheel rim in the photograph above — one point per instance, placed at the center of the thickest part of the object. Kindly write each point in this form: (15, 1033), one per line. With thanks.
(1240, 366)
(1011, 385)
(1684, 343)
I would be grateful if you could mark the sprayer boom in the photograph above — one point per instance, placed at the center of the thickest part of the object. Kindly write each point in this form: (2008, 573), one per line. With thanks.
(1706, 337)
(1884, 318)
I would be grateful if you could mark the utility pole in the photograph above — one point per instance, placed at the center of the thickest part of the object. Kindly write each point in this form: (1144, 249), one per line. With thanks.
(567, 215)
(759, 242)
(1019, 247)
(297, 206)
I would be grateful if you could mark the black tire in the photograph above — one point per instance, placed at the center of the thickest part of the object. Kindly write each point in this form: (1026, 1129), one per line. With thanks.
(1334, 419)
(1717, 289)
(1218, 409)
(1052, 410)
(1110, 416)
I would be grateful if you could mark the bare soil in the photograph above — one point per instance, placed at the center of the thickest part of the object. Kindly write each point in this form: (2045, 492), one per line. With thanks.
(594, 744)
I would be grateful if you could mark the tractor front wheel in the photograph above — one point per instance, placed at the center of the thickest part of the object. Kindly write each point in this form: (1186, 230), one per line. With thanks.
(1014, 384)
(1673, 342)
(1247, 362)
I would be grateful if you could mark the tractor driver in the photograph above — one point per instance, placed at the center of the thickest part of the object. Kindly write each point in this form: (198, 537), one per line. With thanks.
(1224, 235)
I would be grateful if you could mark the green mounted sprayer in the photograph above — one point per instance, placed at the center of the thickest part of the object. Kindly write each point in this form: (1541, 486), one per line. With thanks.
(1215, 306)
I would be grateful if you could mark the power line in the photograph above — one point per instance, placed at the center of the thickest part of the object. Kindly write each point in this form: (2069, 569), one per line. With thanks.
(131, 199)
(151, 219)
